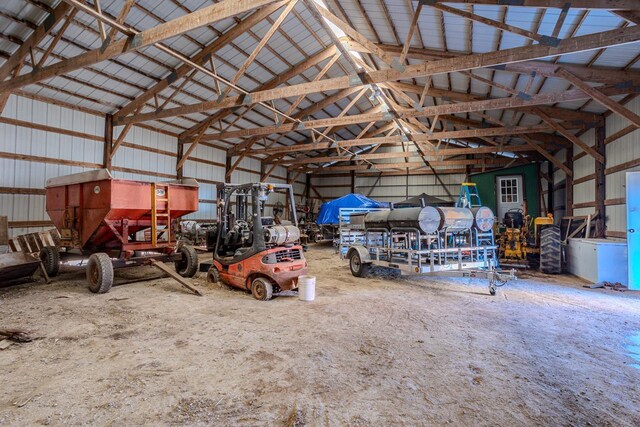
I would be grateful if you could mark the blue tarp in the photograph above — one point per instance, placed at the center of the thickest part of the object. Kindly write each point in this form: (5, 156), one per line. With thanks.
(329, 211)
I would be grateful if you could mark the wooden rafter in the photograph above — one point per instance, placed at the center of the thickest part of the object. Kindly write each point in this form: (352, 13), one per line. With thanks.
(282, 78)
(175, 27)
(261, 44)
(551, 41)
(201, 57)
(463, 107)
(576, 4)
(14, 64)
(576, 44)
(601, 97)
(571, 137)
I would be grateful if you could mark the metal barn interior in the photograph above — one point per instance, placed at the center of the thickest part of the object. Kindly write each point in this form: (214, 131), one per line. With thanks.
(534, 101)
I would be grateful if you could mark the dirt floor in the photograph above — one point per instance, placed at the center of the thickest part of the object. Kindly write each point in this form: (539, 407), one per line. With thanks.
(366, 352)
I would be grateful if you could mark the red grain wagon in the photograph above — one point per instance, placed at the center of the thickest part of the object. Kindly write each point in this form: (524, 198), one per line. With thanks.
(118, 223)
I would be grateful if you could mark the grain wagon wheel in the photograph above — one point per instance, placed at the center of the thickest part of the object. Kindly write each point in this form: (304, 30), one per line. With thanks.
(100, 273)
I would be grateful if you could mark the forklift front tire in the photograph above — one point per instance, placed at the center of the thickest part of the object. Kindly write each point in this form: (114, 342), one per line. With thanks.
(213, 275)
(262, 289)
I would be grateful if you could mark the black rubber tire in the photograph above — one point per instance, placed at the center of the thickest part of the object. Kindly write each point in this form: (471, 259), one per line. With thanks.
(50, 257)
(550, 250)
(261, 289)
(357, 267)
(213, 275)
(100, 273)
(188, 265)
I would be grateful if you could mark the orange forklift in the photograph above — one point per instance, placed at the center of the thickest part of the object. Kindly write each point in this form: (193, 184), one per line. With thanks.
(254, 251)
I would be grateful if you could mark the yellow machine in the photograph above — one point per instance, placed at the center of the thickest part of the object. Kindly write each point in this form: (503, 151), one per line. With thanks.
(530, 240)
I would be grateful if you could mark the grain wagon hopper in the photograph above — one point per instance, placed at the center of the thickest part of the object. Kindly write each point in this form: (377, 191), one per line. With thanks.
(120, 223)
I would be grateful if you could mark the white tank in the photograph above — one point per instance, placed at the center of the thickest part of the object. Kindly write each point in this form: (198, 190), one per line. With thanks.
(483, 218)
(456, 219)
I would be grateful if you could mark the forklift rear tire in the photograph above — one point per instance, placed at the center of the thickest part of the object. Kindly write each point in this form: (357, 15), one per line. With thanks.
(358, 268)
(50, 257)
(100, 273)
(188, 265)
(262, 289)
(550, 250)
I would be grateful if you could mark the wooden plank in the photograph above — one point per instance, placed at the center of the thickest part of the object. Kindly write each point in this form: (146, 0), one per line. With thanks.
(205, 16)
(623, 166)
(577, 44)
(41, 159)
(277, 81)
(575, 4)
(17, 58)
(4, 231)
(497, 24)
(200, 58)
(571, 137)
(15, 190)
(622, 132)
(601, 97)
(569, 182)
(350, 31)
(445, 109)
(261, 44)
(29, 224)
(600, 183)
(162, 267)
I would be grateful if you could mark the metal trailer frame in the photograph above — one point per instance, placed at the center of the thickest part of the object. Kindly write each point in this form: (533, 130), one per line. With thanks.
(452, 255)
(349, 235)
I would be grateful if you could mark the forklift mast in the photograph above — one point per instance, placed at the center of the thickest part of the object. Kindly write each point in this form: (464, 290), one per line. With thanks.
(250, 203)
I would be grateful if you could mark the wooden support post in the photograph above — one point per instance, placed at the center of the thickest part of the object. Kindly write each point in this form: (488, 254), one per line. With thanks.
(4, 231)
(353, 181)
(227, 168)
(307, 188)
(180, 169)
(600, 182)
(108, 141)
(569, 183)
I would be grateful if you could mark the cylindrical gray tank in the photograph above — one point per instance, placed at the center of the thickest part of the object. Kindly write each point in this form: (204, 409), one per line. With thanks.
(456, 219)
(377, 220)
(427, 219)
(483, 218)
(281, 234)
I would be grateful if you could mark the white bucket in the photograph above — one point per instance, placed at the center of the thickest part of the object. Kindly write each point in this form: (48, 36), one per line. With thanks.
(307, 288)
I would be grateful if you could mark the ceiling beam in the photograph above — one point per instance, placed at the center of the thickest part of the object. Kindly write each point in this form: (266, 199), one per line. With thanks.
(438, 110)
(577, 44)
(551, 41)
(541, 68)
(571, 137)
(459, 134)
(200, 58)
(575, 4)
(175, 27)
(601, 98)
(282, 78)
(17, 59)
